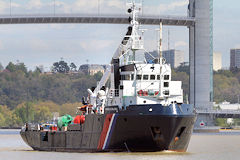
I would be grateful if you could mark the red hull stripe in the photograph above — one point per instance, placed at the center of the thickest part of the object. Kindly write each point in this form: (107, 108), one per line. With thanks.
(104, 131)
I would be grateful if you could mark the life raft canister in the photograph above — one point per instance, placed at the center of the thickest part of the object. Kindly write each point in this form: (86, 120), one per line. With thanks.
(79, 119)
(140, 93)
(145, 93)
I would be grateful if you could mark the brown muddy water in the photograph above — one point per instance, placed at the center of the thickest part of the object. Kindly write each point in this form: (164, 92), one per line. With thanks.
(221, 146)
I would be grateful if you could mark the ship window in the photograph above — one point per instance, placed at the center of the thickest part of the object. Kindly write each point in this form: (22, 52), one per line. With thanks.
(145, 77)
(158, 77)
(122, 77)
(152, 77)
(166, 93)
(166, 77)
(166, 84)
(127, 77)
(132, 76)
(139, 77)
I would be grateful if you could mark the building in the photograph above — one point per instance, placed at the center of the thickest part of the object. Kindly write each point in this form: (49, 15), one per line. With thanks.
(217, 61)
(227, 106)
(174, 57)
(92, 69)
(235, 58)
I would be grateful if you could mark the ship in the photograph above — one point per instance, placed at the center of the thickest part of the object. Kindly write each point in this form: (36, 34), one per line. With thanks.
(135, 107)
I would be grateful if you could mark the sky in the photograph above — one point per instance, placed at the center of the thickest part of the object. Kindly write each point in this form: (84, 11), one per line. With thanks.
(44, 44)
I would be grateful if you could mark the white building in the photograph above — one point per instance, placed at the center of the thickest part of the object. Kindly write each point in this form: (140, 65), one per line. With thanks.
(217, 61)
(92, 69)
(227, 106)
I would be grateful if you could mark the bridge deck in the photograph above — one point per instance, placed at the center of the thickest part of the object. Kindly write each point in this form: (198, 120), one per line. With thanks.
(78, 18)
(221, 113)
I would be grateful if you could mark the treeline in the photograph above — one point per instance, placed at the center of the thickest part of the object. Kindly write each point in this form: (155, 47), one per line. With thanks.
(17, 85)
(35, 112)
(32, 96)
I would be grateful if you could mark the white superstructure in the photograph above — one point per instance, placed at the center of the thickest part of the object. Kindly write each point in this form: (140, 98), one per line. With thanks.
(135, 82)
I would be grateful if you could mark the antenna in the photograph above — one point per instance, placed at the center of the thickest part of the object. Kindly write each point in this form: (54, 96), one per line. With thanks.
(168, 39)
(160, 42)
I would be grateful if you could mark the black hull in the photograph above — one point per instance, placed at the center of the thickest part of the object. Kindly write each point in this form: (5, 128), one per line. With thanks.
(135, 129)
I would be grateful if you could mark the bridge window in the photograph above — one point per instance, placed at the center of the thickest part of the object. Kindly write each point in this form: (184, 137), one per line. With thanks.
(158, 77)
(139, 77)
(145, 77)
(152, 77)
(166, 84)
(132, 76)
(125, 77)
(166, 77)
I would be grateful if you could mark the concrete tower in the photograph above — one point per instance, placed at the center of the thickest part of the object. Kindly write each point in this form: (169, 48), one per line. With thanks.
(200, 56)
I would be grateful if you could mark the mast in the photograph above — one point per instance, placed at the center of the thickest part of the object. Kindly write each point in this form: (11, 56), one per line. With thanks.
(160, 43)
(135, 39)
(160, 59)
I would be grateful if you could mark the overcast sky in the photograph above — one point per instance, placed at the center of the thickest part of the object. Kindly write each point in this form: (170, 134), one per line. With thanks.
(43, 44)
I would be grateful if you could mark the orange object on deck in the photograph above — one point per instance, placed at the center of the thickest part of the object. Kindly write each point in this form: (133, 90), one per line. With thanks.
(79, 119)
(83, 108)
(53, 128)
(176, 139)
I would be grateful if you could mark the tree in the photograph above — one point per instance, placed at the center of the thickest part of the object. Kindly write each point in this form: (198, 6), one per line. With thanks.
(11, 67)
(18, 67)
(25, 112)
(183, 68)
(38, 70)
(73, 67)
(1, 67)
(221, 122)
(21, 67)
(42, 114)
(2, 120)
(7, 118)
(61, 67)
(97, 76)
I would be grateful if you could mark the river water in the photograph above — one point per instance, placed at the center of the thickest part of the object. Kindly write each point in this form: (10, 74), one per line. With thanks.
(221, 146)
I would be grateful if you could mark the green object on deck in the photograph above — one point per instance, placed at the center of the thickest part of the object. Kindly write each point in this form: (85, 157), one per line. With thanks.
(64, 121)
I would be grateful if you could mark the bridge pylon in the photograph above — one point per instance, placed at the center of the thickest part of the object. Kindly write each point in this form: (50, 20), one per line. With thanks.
(200, 58)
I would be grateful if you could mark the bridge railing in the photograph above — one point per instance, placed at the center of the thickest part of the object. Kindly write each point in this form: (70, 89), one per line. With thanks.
(97, 15)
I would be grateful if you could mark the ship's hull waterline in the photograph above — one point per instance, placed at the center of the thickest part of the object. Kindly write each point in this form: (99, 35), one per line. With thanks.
(156, 128)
